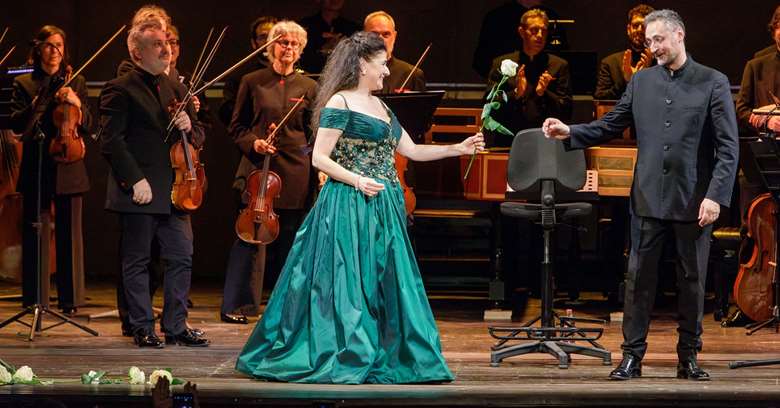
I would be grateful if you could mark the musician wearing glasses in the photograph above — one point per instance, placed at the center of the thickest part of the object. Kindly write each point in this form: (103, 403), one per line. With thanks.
(61, 183)
(383, 24)
(134, 117)
(264, 98)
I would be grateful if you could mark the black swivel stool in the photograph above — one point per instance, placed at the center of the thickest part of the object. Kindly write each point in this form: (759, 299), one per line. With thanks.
(541, 171)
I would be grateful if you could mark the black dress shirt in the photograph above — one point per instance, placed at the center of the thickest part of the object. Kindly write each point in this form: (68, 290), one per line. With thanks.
(529, 110)
(687, 145)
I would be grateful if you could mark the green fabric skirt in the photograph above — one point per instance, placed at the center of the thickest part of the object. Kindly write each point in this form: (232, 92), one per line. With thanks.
(349, 306)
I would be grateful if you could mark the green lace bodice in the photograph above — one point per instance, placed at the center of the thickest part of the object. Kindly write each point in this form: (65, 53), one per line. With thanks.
(367, 146)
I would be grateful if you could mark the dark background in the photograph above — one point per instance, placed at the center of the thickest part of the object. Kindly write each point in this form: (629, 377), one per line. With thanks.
(721, 34)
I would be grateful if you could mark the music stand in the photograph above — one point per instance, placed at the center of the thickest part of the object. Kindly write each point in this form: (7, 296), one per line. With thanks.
(414, 110)
(542, 170)
(766, 156)
(42, 225)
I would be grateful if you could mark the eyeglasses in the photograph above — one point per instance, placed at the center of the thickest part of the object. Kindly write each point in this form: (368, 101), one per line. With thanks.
(173, 43)
(288, 43)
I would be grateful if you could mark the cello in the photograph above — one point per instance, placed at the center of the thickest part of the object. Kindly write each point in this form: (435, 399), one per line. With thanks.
(258, 223)
(190, 177)
(753, 288)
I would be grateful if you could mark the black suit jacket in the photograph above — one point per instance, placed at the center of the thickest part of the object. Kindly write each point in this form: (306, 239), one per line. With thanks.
(530, 110)
(758, 80)
(611, 83)
(132, 133)
(687, 145)
(56, 178)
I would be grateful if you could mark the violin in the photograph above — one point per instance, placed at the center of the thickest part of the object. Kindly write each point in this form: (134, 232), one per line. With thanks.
(753, 288)
(258, 223)
(190, 177)
(67, 146)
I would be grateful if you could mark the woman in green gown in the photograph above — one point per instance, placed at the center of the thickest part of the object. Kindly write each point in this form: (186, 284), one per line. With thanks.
(350, 306)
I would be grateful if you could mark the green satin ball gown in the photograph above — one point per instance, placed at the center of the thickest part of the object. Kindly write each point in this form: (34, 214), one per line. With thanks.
(350, 306)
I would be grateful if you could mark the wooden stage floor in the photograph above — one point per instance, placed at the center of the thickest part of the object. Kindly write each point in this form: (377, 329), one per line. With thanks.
(64, 353)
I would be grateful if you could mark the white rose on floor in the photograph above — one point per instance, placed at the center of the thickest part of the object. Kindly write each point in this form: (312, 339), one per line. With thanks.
(508, 68)
(23, 374)
(157, 374)
(5, 376)
(136, 375)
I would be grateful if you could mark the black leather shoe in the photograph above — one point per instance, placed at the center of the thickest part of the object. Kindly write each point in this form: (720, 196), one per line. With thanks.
(690, 370)
(187, 338)
(197, 332)
(630, 367)
(145, 338)
(233, 318)
(68, 310)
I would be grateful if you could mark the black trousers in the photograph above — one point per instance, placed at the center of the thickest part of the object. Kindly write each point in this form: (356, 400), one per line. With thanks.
(67, 210)
(692, 244)
(248, 263)
(174, 234)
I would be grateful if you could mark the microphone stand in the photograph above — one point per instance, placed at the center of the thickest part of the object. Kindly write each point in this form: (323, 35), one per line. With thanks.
(42, 226)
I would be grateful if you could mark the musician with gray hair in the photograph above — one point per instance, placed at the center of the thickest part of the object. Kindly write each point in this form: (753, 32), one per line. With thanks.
(136, 143)
(686, 130)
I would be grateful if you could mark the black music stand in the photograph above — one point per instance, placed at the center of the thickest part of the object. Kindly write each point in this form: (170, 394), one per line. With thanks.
(766, 156)
(42, 227)
(414, 110)
(541, 169)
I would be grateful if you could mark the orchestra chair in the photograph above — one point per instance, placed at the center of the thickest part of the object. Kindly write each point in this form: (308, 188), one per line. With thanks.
(543, 173)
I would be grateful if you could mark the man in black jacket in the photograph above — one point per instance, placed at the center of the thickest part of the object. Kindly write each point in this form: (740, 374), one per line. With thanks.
(760, 80)
(133, 119)
(686, 163)
(618, 68)
(541, 87)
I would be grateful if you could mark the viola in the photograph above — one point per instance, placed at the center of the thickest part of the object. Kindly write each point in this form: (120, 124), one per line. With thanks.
(67, 146)
(401, 162)
(258, 223)
(189, 182)
(753, 289)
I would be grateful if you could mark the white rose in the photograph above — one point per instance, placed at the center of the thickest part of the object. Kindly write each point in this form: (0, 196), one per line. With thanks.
(508, 68)
(157, 374)
(136, 375)
(5, 376)
(23, 374)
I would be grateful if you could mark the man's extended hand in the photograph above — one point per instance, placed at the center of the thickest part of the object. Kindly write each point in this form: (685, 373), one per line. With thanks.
(708, 212)
(554, 128)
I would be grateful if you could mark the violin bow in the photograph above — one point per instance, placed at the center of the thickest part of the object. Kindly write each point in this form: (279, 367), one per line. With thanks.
(419, 61)
(197, 76)
(2, 37)
(78, 71)
(200, 57)
(8, 54)
(270, 138)
(228, 72)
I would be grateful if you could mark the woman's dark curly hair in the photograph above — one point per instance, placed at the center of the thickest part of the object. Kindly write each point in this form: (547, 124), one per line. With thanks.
(342, 70)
